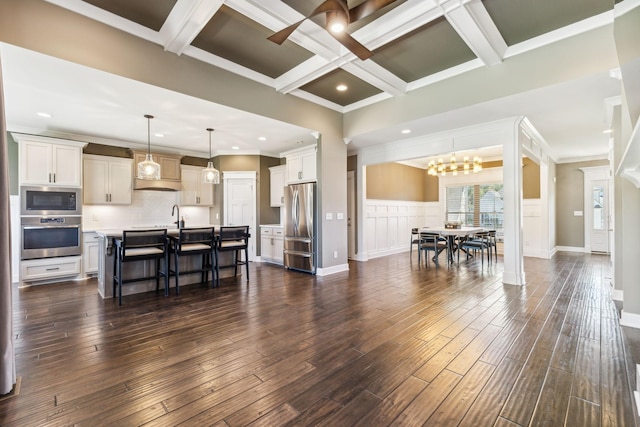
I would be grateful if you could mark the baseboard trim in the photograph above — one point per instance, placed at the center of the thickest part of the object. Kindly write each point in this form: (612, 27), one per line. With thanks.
(332, 270)
(570, 249)
(617, 295)
(630, 319)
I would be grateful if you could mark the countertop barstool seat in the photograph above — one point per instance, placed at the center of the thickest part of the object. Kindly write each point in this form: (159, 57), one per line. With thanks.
(233, 239)
(191, 242)
(140, 245)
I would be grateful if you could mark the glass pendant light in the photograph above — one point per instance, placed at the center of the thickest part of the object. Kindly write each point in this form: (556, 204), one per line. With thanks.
(148, 169)
(210, 175)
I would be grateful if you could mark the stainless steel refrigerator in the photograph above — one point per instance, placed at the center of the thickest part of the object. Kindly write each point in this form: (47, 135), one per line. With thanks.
(300, 227)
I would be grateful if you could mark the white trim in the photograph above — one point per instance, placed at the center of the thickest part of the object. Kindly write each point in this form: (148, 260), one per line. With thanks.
(631, 320)
(617, 295)
(636, 396)
(332, 270)
(253, 227)
(569, 249)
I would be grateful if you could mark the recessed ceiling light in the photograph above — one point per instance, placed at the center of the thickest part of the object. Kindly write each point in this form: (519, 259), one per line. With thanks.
(46, 115)
(262, 138)
(405, 131)
(159, 135)
(341, 87)
(607, 131)
(235, 147)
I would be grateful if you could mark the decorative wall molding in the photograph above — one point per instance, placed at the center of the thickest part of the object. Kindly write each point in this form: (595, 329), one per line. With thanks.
(388, 224)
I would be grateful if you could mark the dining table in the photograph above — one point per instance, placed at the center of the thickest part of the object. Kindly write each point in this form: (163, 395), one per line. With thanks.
(451, 234)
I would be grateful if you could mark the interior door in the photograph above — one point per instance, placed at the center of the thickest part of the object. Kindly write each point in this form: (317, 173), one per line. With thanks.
(600, 216)
(240, 207)
(351, 214)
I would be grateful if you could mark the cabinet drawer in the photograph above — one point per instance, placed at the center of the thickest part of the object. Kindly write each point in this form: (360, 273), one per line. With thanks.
(277, 232)
(49, 268)
(266, 230)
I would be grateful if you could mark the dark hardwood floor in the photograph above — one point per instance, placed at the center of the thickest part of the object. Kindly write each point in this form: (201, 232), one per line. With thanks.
(387, 343)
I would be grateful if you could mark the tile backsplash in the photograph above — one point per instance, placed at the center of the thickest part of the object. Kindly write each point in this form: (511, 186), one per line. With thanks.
(146, 208)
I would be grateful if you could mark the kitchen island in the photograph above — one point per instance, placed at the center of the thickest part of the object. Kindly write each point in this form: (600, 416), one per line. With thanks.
(106, 258)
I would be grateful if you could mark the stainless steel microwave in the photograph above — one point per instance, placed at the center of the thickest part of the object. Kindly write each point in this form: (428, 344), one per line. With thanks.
(50, 201)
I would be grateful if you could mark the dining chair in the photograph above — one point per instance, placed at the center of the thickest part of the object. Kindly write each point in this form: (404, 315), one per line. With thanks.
(415, 240)
(140, 245)
(431, 242)
(478, 242)
(191, 242)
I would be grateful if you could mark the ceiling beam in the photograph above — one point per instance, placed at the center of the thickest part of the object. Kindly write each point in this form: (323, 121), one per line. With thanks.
(476, 28)
(185, 22)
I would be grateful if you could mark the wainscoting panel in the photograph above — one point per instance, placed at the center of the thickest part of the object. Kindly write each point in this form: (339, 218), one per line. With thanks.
(532, 229)
(389, 224)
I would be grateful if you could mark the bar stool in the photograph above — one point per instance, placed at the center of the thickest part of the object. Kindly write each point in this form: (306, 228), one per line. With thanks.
(190, 242)
(233, 239)
(139, 245)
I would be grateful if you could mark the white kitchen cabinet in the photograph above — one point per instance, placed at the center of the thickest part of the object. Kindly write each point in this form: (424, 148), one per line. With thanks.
(278, 174)
(107, 180)
(194, 191)
(301, 165)
(90, 252)
(272, 244)
(49, 268)
(43, 162)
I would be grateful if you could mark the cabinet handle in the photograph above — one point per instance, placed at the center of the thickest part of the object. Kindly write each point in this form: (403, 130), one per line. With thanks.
(50, 177)
(281, 199)
(299, 174)
(110, 197)
(272, 242)
(54, 177)
(52, 269)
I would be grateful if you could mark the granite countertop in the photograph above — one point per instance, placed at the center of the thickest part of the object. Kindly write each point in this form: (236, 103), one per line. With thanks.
(271, 225)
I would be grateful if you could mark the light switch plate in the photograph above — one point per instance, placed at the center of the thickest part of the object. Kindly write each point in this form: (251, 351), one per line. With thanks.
(339, 215)
(329, 216)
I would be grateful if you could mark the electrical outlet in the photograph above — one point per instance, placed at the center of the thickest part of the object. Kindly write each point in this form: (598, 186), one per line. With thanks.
(217, 215)
(335, 254)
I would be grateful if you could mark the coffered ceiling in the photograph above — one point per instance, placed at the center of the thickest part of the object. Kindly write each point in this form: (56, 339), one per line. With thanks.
(414, 43)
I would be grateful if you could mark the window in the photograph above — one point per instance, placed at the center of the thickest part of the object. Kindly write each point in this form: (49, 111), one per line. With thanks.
(476, 205)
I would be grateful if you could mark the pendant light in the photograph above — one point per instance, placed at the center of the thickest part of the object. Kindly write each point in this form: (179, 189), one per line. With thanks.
(210, 175)
(148, 169)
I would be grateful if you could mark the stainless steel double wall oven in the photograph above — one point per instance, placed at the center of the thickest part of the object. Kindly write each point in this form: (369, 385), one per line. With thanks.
(51, 222)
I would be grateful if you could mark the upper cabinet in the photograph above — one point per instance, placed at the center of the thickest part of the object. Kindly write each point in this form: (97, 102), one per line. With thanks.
(169, 164)
(278, 174)
(301, 165)
(107, 180)
(46, 161)
(194, 191)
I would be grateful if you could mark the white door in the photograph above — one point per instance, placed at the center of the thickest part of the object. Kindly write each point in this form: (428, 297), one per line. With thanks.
(240, 203)
(600, 216)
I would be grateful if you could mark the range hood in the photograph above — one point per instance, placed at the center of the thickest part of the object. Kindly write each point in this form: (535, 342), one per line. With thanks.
(157, 185)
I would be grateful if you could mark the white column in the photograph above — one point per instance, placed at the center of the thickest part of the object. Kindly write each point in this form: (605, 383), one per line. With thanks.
(361, 195)
(512, 181)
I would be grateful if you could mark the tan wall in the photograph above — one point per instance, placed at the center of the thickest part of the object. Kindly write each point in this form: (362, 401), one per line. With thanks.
(389, 181)
(570, 198)
(393, 181)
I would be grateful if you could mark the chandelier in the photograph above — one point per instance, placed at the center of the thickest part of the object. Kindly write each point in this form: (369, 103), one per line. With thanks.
(441, 168)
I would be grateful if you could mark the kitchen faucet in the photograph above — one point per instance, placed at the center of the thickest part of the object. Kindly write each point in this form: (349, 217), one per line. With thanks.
(173, 209)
